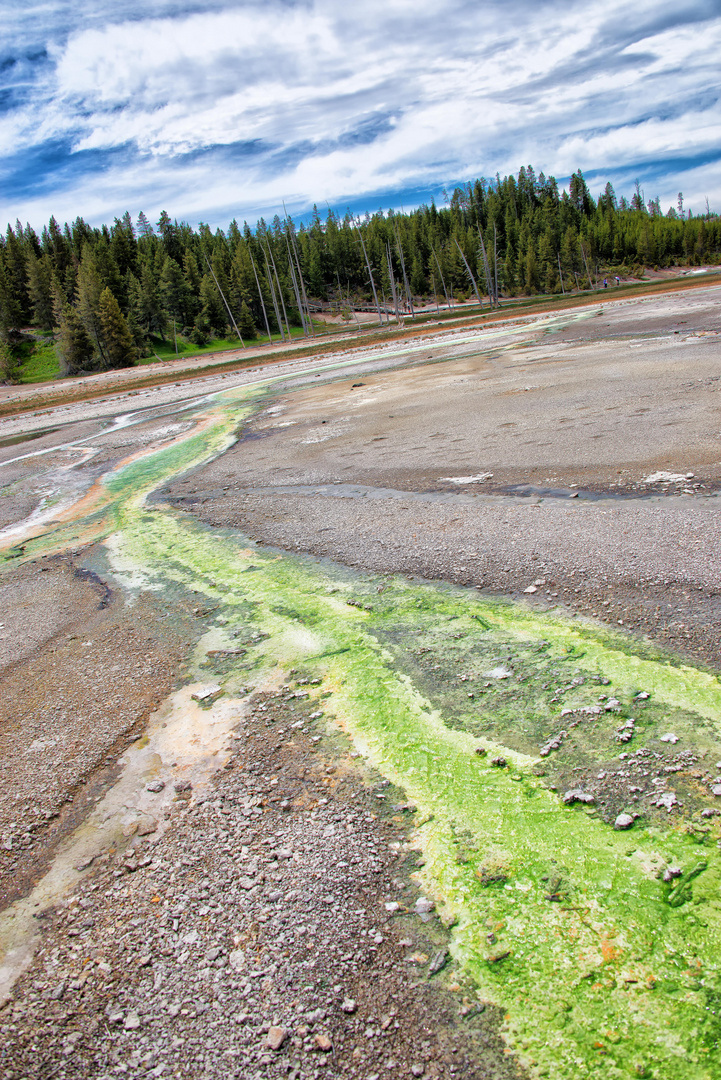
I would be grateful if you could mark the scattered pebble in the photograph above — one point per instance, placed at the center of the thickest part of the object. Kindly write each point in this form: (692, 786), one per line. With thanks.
(623, 821)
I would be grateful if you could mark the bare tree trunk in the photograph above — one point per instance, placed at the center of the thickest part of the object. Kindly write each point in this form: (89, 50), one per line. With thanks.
(260, 295)
(272, 294)
(443, 283)
(302, 282)
(294, 283)
(486, 268)
(403, 270)
(560, 273)
(393, 285)
(468, 271)
(370, 274)
(280, 292)
(495, 266)
(585, 260)
(435, 294)
(222, 296)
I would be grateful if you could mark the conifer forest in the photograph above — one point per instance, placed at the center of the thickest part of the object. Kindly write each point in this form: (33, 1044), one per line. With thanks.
(105, 297)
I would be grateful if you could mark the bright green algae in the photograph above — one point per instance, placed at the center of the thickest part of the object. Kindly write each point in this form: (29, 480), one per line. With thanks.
(611, 979)
(559, 919)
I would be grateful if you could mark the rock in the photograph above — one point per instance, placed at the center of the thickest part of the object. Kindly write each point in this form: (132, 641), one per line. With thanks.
(500, 672)
(642, 696)
(132, 1021)
(424, 906)
(348, 1006)
(499, 762)
(155, 786)
(276, 1037)
(323, 1043)
(417, 1068)
(481, 751)
(206, 695)
(182, 785)
(237, 959)
(531, 589)
(668, 799)
(577, 795)
(392, 906)
(438, 961)
(670, 737)
(623, 821)
(716, 790)
(672, 872)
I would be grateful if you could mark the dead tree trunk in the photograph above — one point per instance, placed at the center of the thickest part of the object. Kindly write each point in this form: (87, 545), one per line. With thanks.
(260, 294)
(468, 271)
(222, 297)
(370, 274)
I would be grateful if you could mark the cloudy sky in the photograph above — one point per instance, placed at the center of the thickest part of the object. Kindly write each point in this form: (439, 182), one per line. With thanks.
(215, 110)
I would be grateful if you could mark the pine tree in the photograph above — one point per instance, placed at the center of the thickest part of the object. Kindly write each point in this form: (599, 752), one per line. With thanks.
(40, 288)
(246, 323)
(76, 352)
(120, 348)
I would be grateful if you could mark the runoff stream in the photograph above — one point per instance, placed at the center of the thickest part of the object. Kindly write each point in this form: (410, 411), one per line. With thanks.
(600, 944)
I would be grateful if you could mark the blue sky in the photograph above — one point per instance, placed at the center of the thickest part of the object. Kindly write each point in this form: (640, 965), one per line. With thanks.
(215, 110)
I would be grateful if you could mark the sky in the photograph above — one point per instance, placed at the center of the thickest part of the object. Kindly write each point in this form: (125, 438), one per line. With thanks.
(214, 110)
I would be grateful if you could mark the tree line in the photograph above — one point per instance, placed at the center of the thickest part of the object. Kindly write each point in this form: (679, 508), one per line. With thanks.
(107, 293)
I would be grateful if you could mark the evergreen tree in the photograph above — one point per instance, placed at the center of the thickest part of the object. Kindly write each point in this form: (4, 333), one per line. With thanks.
(120, 348)
(246, 323)
(75, 350)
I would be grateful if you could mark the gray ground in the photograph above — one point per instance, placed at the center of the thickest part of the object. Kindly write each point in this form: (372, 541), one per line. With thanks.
(177, 951)
(566, 434)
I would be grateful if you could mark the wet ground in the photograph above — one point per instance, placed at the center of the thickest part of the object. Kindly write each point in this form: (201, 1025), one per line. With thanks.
(194, 878)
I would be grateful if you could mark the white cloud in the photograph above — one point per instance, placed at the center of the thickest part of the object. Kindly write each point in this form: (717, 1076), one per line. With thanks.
(336, 103)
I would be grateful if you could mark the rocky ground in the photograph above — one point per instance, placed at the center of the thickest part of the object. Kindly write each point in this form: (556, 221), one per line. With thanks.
(271, 925)
(274, 930)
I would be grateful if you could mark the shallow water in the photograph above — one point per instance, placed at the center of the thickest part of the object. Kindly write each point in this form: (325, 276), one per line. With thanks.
(601, 967)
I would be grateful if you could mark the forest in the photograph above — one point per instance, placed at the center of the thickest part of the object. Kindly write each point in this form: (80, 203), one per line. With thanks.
(100, 298)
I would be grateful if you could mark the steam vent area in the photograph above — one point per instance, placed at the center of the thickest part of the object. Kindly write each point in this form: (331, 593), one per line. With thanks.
(360, 710)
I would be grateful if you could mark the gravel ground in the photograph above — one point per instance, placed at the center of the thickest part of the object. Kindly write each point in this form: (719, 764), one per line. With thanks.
(258, 910)
(80, 670)
(274, 930)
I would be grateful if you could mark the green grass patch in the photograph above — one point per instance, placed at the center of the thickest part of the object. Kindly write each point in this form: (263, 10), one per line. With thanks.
(39, 361)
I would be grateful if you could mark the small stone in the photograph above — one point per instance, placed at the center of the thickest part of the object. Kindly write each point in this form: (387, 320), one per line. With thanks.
(672, 872)
(392, 906)
(323, 1043)
(276, 1037)
(155, 786)
(577, 795)
(424, 906)
(642, 696)
(132, 1021)
(499, 762)
(417, 1068)
(531, 589)
(670, 737)
(207, 694)
(716, 790)
(182, 785)
(438, 962)
(481, 751)
(623, 821)
(348, 1006)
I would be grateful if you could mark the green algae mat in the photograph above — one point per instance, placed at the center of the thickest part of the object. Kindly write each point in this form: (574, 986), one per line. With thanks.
(520, 737)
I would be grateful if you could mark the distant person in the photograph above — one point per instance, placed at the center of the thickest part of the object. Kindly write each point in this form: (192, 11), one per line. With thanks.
(618, 280)
(605, 283)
